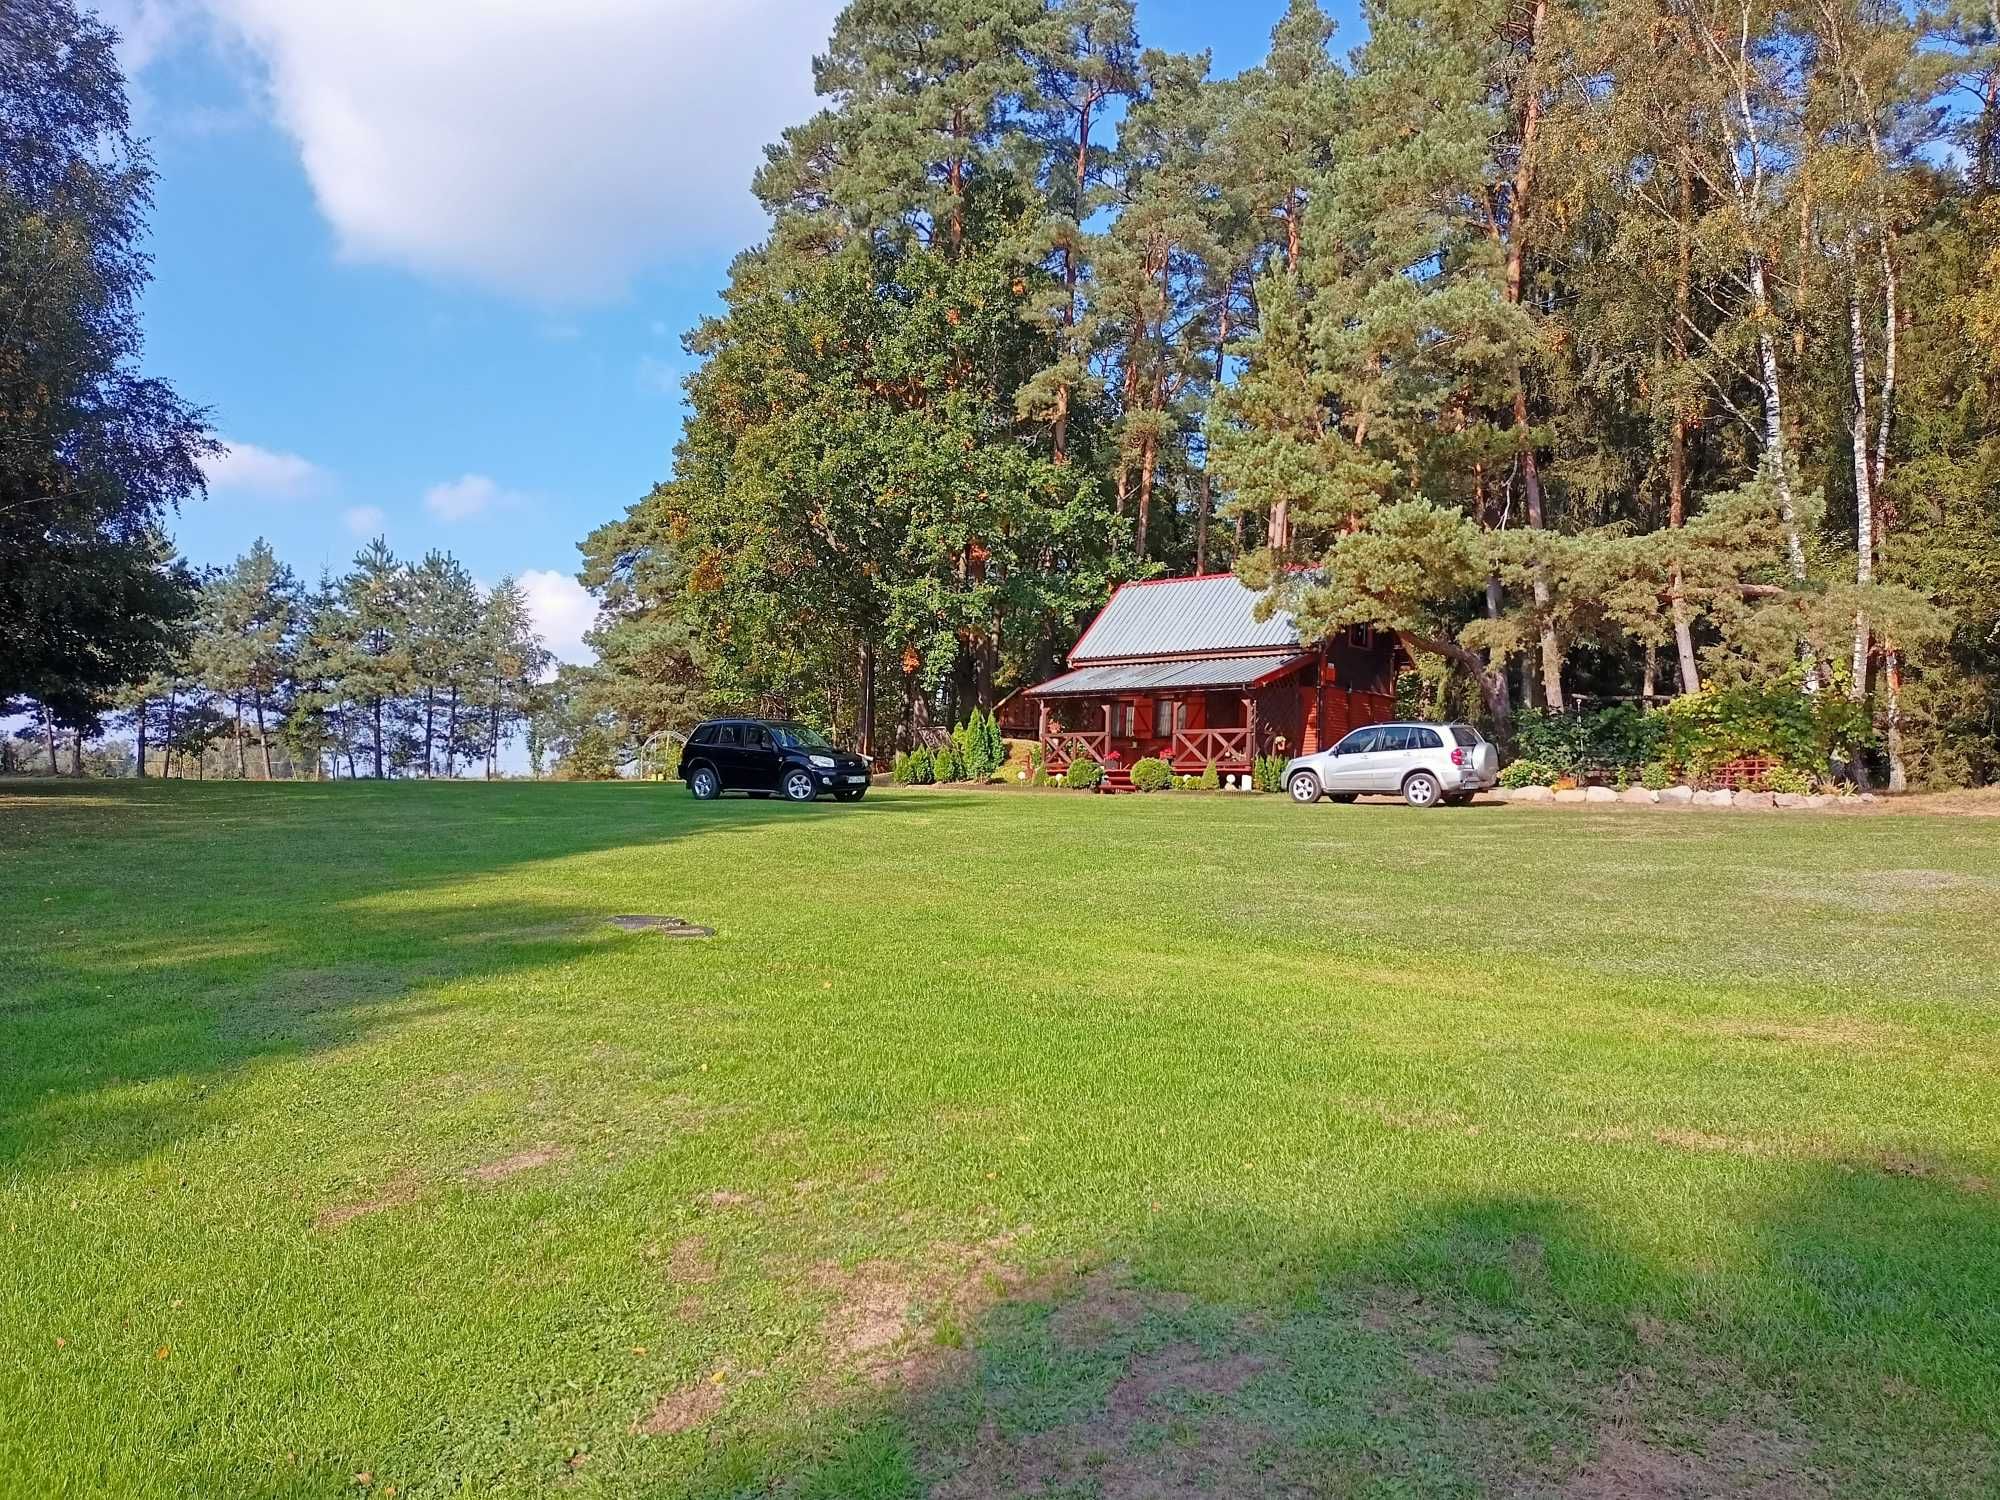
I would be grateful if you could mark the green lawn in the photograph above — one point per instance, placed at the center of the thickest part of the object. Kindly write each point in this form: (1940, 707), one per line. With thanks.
(999, 1143)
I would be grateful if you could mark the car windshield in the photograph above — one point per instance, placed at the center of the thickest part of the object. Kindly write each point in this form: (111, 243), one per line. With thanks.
(800, 737)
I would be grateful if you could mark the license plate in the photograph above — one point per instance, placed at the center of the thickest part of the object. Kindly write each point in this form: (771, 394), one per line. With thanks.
(857, 778)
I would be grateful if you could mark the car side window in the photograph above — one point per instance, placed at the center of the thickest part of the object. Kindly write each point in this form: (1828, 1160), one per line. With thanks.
(705, 735)
(1465, 734)
(725, 734)
(1425, 739)
(1397, 737)
(756, 736)
(1359, 742)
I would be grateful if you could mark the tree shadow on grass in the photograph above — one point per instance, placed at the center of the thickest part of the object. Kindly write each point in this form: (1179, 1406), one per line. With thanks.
(160, 935)
(1487, 1347)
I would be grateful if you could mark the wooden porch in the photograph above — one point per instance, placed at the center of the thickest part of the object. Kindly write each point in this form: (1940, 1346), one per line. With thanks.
(1190, 731)
(1182, 731)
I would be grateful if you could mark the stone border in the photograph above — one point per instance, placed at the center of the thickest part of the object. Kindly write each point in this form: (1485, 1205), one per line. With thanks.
(1687, 796)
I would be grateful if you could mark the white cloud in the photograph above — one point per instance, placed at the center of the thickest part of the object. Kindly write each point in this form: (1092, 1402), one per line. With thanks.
(364, 520)
(562, 610)
(467, 496)
(252, 470)
(551, 150)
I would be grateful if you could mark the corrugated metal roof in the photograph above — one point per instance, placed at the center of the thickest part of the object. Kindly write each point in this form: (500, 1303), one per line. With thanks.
(1160, 676)
(1176, 615)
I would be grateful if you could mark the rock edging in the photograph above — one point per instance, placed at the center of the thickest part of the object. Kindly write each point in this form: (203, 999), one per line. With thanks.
(1686, 796)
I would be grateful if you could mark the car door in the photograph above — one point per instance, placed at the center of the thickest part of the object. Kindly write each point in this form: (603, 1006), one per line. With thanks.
(1382, 769)
(757, 758)
(1347, 765)
(722, 750)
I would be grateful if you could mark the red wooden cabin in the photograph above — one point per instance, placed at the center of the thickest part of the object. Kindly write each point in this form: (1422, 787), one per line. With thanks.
(1182, 669)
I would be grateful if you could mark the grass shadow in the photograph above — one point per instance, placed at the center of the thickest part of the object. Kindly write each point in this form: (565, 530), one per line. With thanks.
(161, 935)
(1486, 1347)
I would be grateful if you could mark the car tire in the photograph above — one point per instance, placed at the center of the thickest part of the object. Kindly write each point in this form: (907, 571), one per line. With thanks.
(799, 785)
(1342, 797)
(1421, 789)
(850, 794)
(1305, 788)
(703, 784)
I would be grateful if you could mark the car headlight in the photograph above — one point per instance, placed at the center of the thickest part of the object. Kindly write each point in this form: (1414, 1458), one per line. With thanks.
(824, 762)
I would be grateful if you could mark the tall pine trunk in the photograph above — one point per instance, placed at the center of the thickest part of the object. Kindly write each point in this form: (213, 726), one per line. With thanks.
(263, 738)
(1677, 468)
(1864, 472)
(145, 707)
(867, 725)
(1531, 477)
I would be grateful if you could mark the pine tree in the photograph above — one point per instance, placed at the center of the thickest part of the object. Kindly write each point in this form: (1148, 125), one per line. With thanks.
(375, 668)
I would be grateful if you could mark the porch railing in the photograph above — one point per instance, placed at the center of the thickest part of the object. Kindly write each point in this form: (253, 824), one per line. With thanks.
(1063, 746)
(1223, 746)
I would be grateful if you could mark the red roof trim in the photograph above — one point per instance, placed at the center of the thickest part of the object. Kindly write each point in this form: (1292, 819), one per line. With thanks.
(1284, 670)
(1213, 654)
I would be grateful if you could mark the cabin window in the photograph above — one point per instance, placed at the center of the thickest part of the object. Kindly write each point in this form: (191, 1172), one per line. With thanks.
(1125, 721)
(1361, 637)
(1169, 717)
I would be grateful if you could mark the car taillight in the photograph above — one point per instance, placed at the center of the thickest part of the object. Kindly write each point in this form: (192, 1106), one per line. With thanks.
(1458, 757)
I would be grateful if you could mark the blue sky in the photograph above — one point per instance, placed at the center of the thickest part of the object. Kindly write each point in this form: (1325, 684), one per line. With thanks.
(429, 264)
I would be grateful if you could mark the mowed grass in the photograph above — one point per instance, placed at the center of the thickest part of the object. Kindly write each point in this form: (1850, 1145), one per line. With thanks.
(999, 1143)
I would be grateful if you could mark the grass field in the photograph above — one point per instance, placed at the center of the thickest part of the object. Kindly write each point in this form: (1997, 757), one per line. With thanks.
(997, 1144)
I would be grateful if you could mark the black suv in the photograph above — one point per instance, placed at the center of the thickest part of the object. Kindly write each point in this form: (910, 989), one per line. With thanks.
(769, 756)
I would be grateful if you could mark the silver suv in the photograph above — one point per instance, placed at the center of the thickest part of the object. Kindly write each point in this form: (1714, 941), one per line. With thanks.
(1424, 764)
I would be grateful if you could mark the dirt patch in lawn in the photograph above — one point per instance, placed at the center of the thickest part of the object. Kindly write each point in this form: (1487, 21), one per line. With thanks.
(681, 1411)
(902, 1325)
(1740, 1462)
(691, 1262)
(400, 1192)
(1165, 1429)
(1845, 1032)
(1105, 1305)
(519, 1162)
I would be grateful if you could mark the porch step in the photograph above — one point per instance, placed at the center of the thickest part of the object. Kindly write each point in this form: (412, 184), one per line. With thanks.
(1116, 779)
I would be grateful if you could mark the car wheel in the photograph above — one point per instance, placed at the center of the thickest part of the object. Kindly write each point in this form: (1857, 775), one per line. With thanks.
(799, 786)
(1342, 797)
(1421, 789)
(705, 784)
(1305, 788)
(850, 794)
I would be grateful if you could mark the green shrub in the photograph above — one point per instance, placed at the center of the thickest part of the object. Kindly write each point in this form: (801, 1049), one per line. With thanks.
(1656, 776)
(1211, 779)
(1528, 773)
(965, 748)
(1788, 779)
(1572, 742)
(1780, 720)
(1083, 773)
(996, 744)
(918, 767)
(1152, 774)
(945, 763)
